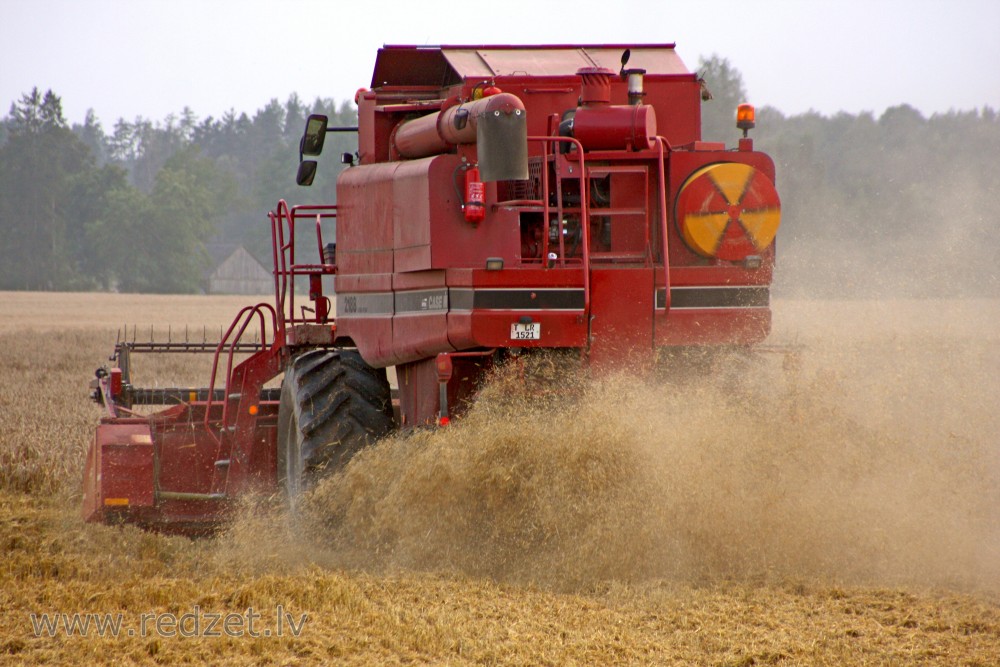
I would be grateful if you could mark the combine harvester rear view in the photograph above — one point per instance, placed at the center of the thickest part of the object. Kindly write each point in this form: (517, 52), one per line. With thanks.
(503, 200)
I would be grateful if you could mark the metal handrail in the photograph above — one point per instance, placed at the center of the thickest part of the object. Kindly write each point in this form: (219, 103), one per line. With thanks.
(584, 211)
(663, 146)
(283, 220)
(245, 316)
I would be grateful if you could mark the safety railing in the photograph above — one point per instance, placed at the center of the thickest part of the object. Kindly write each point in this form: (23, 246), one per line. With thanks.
(231, 344)
(547, 210)
(662, 148)
(286, 267)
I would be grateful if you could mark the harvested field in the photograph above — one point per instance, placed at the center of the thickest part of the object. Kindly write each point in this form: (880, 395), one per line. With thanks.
(730, 512)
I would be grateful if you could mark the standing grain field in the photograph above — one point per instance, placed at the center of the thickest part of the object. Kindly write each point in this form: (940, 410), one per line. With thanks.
(728, 511)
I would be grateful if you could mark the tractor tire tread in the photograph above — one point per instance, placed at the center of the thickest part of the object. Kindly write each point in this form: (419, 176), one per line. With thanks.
(341, 405)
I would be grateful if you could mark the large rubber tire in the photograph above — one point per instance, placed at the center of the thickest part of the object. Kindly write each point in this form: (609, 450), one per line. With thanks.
(332, 405)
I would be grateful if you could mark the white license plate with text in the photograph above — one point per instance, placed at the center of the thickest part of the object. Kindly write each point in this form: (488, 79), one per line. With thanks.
(531, 331)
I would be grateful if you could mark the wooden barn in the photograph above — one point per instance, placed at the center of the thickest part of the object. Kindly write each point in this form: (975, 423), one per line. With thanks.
(235, 271)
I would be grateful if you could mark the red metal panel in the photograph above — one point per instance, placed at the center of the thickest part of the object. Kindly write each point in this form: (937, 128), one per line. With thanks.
(521, 276)
(484, 327)
(416, 336)
(677, 101)
(418, 397)
(630, 191)
(460, 334)
(127, 468)
(118, 469)
(371, 332)
(366, 282)
(407, 216)
(420, 324)
(430, 231)
(492, 329)
(367, 151)
(621, 324)
(542, 98)
(411, 221)
(737, 326)
(717, 275)
(419, 280)
(187, 458)
(628, 207)
(729, 326)
(365, 209)
(373, 337)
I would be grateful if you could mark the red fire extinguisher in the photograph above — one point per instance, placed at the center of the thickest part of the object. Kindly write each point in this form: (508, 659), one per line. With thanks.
(475, 197)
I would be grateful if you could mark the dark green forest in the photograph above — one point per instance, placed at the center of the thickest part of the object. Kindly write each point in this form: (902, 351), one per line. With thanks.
(133, 209)
(894, 204)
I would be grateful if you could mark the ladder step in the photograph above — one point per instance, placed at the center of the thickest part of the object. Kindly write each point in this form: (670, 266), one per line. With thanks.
(184, 495)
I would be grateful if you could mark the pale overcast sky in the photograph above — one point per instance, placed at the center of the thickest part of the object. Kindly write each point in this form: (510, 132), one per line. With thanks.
(150, 58)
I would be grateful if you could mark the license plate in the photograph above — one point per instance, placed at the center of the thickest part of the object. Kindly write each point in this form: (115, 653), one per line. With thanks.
(531, 331)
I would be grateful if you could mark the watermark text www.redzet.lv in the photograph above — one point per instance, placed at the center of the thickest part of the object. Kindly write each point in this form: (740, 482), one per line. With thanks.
(195, 623)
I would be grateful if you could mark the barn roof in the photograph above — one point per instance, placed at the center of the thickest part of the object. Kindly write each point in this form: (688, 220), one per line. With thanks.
(220, 252)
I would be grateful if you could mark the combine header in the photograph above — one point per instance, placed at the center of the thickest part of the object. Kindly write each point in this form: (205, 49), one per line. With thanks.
(502, 200)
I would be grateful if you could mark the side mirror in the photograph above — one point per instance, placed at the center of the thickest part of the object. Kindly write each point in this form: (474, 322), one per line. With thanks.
(306, 173)
(314, 136)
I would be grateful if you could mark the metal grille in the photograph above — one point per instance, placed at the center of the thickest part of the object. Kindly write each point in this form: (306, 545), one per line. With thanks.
(529, 189)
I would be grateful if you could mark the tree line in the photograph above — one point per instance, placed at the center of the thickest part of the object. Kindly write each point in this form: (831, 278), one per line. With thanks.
(893, 204)
(133, 209)
(896, 203)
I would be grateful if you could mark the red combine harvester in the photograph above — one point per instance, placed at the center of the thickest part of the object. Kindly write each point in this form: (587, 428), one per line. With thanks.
(503, 199)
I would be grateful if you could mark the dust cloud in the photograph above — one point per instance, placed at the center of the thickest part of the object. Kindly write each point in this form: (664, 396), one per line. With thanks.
(870, 460)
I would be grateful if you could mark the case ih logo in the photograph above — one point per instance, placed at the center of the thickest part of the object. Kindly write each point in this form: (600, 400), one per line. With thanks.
(432, 302)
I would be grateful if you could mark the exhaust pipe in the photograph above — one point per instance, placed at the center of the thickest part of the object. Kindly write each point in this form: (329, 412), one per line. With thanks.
(496, 124)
